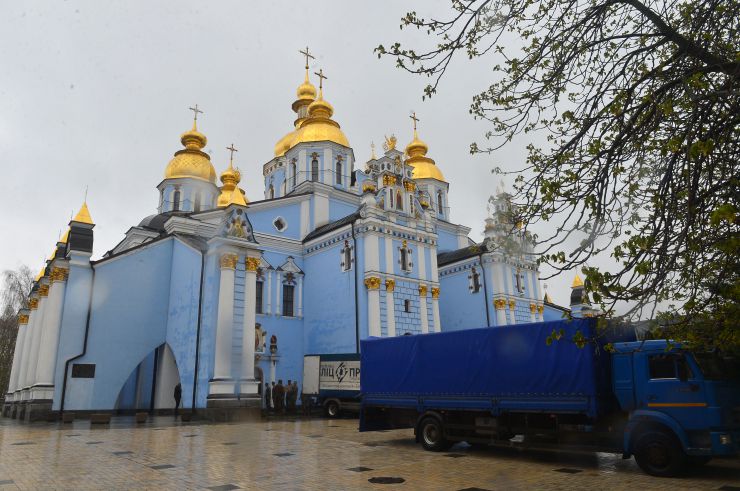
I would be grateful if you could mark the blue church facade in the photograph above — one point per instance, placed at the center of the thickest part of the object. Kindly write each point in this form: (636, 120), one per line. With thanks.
(222, 294)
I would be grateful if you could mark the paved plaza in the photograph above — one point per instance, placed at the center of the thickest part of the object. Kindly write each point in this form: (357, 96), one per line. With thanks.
(300, 455)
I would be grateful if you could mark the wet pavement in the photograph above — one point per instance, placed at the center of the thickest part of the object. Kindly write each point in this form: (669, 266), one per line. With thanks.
(301, 455)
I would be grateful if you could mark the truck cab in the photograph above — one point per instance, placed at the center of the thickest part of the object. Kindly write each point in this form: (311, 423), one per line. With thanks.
(684, 408)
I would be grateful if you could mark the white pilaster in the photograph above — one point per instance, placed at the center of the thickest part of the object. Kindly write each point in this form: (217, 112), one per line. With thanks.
(390, 267)
(27, 342)
(50, 334)
(500, 306)
(373, 305)
(18, 353)
(436, 327)
(33, 354)
(512, 306)
(305, 218)
(422, 262)
(372, 254)
(423, 309)
(248, 385)
(222, 382)
(390, 307)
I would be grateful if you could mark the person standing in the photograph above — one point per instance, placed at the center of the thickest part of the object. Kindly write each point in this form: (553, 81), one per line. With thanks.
(288, 387)
(178, 396)
(279, 397)
(268, 396)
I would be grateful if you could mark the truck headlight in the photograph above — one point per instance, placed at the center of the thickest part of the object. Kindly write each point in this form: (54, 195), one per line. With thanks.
(725, 439)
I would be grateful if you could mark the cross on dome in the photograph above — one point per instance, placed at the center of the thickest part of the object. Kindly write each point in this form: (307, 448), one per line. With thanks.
(307, 55)
(195, 112)
(232, 149)
(414, 118)
(321, 76)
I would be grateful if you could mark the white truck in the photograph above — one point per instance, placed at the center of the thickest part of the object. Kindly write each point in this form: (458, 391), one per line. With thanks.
(334, 380)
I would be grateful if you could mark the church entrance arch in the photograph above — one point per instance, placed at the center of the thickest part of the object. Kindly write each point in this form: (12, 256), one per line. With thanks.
(151, 385)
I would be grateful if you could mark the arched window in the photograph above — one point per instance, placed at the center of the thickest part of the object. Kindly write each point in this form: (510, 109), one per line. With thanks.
(411, 205)
(339, 172)
(271, 193)
(439, 203)
(390, 195)
(196, 206)
(292, 173)
(315, 169)
(399, 201)
(176, 200)
(404, 259)
(258, 297)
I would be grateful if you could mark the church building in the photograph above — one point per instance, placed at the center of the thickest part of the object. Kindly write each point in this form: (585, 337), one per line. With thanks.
(221, 292)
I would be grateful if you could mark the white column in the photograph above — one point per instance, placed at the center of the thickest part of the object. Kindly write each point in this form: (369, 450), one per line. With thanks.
(373, 305)
(390, 307)
(248, 384)
(268, 293)
(33, 305)
(273, 362)
(423, 309)
(50, 334)
(512, 306)
(38, 327)
(422, 262)
(17, 353)
(500, 306)
(221, 383)
(300, 296)
(435, 310)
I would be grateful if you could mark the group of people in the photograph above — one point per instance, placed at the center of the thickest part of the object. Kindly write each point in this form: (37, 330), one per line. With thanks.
(281, 398)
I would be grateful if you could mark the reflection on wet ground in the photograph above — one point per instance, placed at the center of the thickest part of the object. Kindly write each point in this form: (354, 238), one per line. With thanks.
(297, 455)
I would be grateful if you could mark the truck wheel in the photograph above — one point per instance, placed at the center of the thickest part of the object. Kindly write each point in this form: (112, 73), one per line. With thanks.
(332, 409)
(432, 435)
(659, 453)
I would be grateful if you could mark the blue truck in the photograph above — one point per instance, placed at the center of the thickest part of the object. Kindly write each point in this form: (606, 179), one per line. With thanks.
(654, 400)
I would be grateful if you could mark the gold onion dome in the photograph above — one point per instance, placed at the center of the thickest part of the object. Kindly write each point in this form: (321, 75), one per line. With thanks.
(319, 126)
(424, 167)
(306, 93)
(192, 161)
(230, 192)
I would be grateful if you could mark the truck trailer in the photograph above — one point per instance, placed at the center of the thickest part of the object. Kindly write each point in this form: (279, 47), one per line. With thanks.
(555, 384)
(334, 380)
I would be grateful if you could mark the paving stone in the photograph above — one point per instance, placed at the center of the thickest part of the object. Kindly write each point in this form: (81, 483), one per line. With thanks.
(224, 487)
(93, 443)
(567, 470)
(6, 481)
(310, 463)
(22, 443)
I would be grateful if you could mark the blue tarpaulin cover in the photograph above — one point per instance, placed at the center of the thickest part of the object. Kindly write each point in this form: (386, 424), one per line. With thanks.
(512, 363)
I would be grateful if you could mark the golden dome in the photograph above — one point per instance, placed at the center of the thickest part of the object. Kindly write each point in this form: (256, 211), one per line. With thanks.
(230, 193)
(283, 145)
(192, 161)
(319, 126)
(307, 90)
(424, 167)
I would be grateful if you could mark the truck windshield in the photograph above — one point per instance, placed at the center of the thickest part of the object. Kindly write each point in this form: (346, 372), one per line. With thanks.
(716, 367)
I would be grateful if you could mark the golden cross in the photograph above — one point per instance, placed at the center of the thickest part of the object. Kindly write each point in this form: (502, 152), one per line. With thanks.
(321, 76)
(413, 116)
(307, 55)
(232, 149)
(195, 112)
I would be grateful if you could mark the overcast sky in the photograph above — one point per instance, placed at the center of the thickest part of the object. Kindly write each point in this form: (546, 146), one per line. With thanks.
(97, 93)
